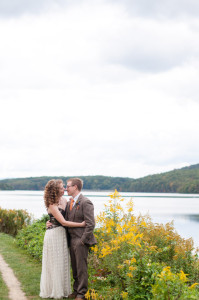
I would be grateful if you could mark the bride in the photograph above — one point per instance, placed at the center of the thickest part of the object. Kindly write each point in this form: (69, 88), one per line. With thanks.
(55, 276)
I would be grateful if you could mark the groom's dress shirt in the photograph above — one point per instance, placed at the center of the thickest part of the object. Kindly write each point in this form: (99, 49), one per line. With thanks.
(75, 199)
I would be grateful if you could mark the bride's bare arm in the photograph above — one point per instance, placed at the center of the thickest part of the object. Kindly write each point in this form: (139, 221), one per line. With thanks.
(53, 209)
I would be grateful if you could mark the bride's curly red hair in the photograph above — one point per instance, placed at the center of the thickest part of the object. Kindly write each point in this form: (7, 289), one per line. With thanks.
(52, 192)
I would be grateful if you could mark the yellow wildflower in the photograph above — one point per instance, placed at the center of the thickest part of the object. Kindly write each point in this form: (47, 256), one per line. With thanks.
(94, 294)
(106, 251)
(133, 260)
(120, 267)
(183, 276)
(124, 295)
(94, 249)
(193, 285)
(131, 268)
(115, 195)
(87, 295)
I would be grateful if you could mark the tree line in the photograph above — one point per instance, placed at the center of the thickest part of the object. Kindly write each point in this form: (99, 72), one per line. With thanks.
(184, 180)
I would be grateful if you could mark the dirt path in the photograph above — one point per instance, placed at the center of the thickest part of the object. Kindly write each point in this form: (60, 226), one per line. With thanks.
(15, 292)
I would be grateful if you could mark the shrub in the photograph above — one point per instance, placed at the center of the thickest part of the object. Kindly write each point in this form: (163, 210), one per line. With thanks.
(11, 220)
(31, 237)
(172, 286)
(132, 252)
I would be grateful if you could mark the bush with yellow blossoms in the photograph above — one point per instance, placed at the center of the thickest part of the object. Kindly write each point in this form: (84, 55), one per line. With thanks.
(132, 253)
(173, 286)
(12, 220)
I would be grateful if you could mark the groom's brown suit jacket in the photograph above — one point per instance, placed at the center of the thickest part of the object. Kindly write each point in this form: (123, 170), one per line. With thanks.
(83, 210)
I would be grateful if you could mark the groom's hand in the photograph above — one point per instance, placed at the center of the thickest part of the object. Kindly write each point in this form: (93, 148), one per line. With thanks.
(48, 224)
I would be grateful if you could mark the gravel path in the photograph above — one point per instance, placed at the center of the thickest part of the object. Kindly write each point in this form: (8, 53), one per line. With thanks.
(15, 292)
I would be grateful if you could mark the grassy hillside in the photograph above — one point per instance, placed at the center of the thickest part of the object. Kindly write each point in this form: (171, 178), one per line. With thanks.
(185, 180)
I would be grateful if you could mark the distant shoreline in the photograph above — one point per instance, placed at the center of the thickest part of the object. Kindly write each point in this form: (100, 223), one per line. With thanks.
(181, 181)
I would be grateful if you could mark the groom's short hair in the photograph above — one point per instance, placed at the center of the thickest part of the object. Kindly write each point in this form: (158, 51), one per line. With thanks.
(78, 182)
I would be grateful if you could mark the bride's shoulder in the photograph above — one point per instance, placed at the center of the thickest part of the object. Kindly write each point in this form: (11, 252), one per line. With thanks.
(63, 200)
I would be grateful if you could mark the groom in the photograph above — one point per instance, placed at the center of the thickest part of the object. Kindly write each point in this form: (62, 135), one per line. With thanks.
(79, 209)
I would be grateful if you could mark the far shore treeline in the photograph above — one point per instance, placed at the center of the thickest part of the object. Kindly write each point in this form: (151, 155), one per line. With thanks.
(184, 180)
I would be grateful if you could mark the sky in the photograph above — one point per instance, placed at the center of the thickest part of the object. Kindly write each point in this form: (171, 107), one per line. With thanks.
(98, 87)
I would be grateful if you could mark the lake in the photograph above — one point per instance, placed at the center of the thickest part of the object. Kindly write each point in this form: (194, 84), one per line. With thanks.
(183, 209)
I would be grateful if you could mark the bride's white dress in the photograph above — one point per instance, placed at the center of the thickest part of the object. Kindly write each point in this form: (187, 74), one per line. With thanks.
(55, 277)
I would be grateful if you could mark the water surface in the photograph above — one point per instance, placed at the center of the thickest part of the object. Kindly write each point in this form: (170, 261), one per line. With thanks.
(183, 209)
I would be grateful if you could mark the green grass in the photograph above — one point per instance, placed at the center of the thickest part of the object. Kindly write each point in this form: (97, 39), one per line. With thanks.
(26, 269)
(3, 289)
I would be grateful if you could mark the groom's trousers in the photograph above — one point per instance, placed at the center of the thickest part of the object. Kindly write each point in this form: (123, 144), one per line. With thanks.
(79, 255)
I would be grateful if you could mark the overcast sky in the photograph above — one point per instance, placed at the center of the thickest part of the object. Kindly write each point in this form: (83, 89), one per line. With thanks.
(98, 87)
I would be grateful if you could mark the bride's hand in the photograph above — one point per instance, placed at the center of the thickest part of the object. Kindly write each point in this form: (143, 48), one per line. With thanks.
(83, 224)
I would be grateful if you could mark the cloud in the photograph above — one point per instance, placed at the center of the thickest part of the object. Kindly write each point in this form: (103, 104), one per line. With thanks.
(11, 8)
(143, 8)
(128, 138)
(118, 49)
(161, 9)
(90, 88)
(153, 46)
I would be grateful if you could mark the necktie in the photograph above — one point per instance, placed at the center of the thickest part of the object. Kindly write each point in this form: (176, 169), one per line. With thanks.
(71, 203)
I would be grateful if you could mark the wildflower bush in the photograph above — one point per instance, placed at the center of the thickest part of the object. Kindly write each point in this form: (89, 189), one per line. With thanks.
(31, 238)
(172, 286)
(134, 256)
(11, 220)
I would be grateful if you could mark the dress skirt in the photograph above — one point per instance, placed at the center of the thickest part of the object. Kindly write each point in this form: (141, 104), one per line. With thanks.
(55, 277)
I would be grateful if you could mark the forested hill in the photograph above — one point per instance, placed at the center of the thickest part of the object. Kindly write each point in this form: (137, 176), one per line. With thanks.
(90, 183)
(185, 180)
